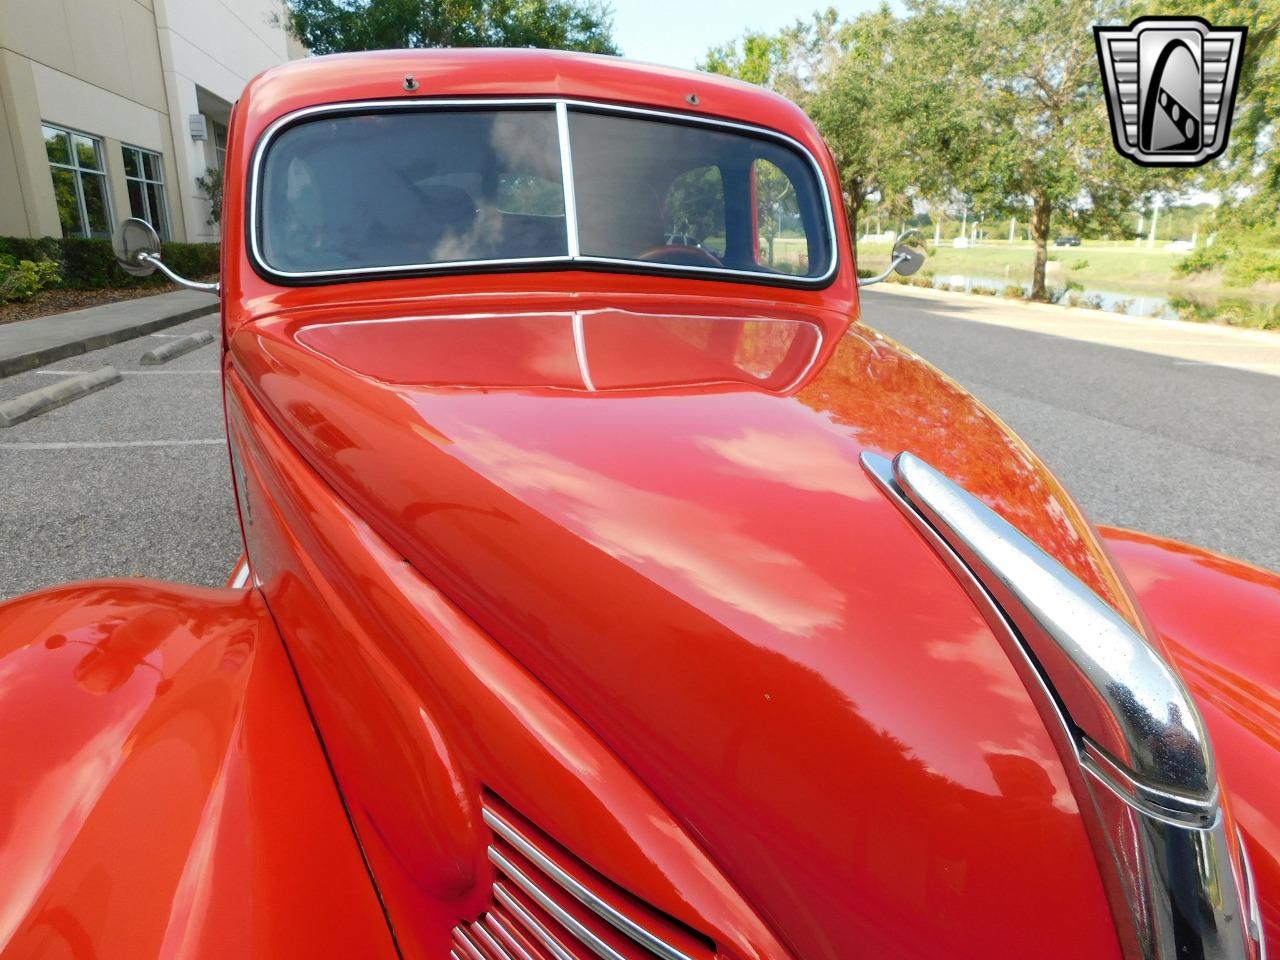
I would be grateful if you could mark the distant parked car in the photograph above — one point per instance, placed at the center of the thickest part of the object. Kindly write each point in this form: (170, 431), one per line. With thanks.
(1067, 242)
(1179, 246)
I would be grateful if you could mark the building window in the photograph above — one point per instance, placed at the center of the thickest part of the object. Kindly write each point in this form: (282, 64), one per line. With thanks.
(219, 143)
(145, 177)
(79, 182)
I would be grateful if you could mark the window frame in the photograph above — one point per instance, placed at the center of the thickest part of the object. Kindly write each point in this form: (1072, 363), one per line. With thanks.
(163, 225)
(574, 258)
(77, 171)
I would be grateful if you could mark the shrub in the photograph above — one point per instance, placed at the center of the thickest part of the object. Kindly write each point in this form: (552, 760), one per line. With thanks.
(26, 248)
(1080, 264)
(1233, 311)
(984, 291)
(1013, 292)
(1122, 306)
(23, 279)
(87, 263)
(211, 186)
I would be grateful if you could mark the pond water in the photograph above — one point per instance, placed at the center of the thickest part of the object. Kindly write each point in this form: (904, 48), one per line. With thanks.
(1133, 304)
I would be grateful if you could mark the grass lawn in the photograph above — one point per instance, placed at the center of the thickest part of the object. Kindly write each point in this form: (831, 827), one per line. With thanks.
(1119, 267)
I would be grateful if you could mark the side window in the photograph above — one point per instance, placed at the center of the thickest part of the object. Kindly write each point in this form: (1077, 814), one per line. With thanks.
(695, 210)
(530, 195)
(780, 233)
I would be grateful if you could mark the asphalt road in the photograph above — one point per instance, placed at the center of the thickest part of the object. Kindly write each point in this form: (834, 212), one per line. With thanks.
(134, 480)
(1157, 443)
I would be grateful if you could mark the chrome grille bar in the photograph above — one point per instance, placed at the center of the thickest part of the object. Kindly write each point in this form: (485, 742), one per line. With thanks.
(478, 931)
(577, 890)
(500, 931)
(468, 946)
(531, 923)
(566, 919)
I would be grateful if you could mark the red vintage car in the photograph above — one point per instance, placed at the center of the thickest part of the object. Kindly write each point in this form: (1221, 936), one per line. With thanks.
(611, 590)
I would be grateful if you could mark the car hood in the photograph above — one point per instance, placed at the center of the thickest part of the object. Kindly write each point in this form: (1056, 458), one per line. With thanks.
(662, 514)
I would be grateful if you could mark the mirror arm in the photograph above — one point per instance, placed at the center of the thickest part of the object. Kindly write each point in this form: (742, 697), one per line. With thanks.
(893, 265)
(151, 258)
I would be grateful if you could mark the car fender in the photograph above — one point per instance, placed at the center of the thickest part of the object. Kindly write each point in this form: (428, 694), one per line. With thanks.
(1220, 620)
(164, 793)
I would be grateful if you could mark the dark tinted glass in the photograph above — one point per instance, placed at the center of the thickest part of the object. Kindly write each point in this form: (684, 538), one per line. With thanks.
(404, 189)
(658, 191)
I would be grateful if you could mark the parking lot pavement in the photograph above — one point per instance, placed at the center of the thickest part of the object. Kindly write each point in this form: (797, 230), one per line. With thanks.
(1180, 439)
(134, 479)
(130, 481)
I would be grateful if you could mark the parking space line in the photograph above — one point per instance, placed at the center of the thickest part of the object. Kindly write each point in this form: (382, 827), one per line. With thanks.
(131, 373)
(110, 444)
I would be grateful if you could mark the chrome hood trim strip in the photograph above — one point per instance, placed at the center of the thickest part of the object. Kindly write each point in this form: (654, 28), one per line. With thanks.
(1130, 736)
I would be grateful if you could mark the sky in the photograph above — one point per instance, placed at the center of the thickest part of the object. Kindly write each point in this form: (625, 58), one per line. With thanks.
(679, 32)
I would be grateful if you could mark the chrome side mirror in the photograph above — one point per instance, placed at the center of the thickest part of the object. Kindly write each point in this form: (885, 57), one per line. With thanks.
(137, 248)
(905, 260)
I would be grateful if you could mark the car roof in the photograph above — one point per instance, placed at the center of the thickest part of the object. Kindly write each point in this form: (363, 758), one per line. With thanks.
(518, 73)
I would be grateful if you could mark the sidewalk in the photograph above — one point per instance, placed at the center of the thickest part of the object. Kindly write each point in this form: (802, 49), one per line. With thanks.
(27, 344)
(1187, 343)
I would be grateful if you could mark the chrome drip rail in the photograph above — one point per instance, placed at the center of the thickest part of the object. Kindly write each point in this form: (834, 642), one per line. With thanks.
(1130, 736)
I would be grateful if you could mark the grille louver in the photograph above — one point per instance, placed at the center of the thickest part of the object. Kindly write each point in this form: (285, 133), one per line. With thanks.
(547, 905)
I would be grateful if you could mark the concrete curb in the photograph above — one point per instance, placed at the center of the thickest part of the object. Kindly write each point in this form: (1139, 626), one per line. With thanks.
(176, 348)
(22, 362)
(36, 402)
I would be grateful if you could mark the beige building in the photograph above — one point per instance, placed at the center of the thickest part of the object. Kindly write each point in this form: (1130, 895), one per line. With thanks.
(114, 108)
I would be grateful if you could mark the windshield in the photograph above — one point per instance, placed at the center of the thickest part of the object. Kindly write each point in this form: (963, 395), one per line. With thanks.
(407, 190)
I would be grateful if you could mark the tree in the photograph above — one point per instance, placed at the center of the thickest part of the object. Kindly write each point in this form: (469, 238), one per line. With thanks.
(792, 62)
(1041, 137)
(853, 106)
(836, 70)
(337, 26)
(1247, 177)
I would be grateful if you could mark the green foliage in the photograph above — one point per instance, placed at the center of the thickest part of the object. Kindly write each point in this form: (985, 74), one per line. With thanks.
(1245, 255)
(1234, 311)
(1201, 261)
(338, 26)
(210, 185)
(84, 263)
(28, 248)
(1080, 264)
(23, 279)
(1248, 175)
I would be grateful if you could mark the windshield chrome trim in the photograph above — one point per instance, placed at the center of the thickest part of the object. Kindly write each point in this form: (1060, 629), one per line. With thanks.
(566, 181)
(573, 258)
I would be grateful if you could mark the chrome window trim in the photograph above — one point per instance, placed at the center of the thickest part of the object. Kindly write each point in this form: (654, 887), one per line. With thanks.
(1159, 834)
(561, 106)
(577, 890)
(569, 188)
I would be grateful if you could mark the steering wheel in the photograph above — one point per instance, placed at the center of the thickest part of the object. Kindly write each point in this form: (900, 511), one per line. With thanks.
(681, 255)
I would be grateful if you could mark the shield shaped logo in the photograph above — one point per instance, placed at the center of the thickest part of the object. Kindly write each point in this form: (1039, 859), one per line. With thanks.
(1171, 86)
